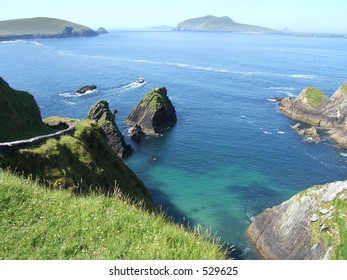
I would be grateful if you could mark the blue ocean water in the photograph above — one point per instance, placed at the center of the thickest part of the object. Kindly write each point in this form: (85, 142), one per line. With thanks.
(231, 154)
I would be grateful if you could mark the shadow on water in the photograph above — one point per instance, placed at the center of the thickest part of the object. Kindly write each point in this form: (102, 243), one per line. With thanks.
(178, 217)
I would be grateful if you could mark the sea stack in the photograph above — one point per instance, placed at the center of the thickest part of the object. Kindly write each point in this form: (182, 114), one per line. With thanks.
(154, 113)
(101, 113)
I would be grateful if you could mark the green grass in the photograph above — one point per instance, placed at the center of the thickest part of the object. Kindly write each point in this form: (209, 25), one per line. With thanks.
(155, 99)
(37, 26)
(19, 114)
(82, 163)
(336, 235)
(314, 97)
(341, 252)
(40, 223)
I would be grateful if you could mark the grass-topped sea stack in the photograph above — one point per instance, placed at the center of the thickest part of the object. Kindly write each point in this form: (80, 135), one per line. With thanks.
(154, 113)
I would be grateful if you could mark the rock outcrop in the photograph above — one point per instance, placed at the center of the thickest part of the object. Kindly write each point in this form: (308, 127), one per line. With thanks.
(101, 113)
(312, 106)
(311, 225)
(86, 89)
(102, 30)
(154, 113)
(311, 134)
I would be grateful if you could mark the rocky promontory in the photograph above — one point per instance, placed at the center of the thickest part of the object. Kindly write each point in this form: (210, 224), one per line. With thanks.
(101, 113)
(42, 28)
(311, 225)
(154, 113)
(313, 107)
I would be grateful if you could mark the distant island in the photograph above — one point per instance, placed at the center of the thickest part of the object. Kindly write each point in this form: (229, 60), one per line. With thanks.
(42, 28)
(220, 24)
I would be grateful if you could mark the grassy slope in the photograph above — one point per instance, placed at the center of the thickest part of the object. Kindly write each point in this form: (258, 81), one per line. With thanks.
(83, 162)
(19, 114)
(37, 223)
(37, 26)
(314, 97)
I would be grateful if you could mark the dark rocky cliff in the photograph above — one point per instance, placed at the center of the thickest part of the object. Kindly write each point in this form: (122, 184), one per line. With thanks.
(154, 113)
(101, 113)
(311, 225)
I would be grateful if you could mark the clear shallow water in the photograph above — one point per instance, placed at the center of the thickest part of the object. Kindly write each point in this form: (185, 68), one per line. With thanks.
(231, 154)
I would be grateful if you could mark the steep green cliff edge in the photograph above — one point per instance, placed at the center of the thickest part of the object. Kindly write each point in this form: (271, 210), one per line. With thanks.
(20, 116)
(38, 223)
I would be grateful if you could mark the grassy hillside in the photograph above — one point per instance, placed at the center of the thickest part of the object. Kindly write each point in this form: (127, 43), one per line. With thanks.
(82, 162)
(219, 24)
(19, 114)
(40, 26)
(38, 223)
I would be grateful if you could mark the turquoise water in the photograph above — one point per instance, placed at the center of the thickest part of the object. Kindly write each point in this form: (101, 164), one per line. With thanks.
(231, 154)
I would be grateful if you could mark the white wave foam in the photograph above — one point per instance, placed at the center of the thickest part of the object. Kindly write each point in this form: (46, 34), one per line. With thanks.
(303, 76)
(282, 88)
(271, 100)
(267, 132)
(132, 86)
(14, 42)
(75, 94)
(343, 154)
(280, 132)
(197, 67)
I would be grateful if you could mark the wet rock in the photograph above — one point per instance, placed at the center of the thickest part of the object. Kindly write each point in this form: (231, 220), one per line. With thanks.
(85, 89)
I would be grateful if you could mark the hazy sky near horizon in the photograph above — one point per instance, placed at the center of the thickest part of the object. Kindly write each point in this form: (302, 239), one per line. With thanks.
(298, 15)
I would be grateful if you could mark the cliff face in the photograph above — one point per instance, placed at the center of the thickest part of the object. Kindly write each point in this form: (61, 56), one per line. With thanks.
(314, 108)
(101, 113)
(154, 113)
(311, 225)
(19, 114)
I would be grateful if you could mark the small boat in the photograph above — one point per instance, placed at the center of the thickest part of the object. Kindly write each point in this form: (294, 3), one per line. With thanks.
(140, 80)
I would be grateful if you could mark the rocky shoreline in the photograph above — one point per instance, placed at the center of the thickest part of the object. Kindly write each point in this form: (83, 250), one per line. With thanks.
(307, 226)
(313, 107)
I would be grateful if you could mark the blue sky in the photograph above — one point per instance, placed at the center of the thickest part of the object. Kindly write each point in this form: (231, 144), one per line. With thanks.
(297, 15)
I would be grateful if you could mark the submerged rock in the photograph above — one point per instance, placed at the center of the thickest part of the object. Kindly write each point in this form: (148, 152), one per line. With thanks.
(101, 113)
(287, 231)
(154, 113)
